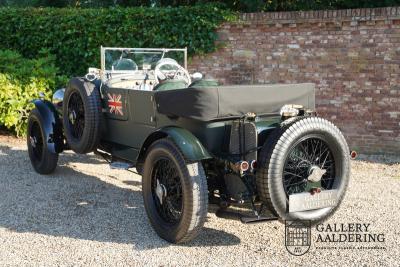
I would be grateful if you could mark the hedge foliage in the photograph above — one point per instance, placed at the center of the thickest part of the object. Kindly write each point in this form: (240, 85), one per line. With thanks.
(74, 36)
(21, 81)
(238, 5)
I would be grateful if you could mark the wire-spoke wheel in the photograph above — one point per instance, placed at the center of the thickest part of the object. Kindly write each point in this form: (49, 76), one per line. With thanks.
(166, 188)
(174, 192)
(36, 140)
(76, 115)
(308, 154)
(42, 160)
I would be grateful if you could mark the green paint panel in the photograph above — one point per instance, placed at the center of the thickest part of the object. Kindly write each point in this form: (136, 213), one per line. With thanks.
(188, 143)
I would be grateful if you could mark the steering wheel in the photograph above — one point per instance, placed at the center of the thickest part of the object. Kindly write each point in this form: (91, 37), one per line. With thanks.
(169, 69)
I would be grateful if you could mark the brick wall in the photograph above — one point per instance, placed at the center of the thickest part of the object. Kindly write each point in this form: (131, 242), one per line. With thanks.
(352, 56)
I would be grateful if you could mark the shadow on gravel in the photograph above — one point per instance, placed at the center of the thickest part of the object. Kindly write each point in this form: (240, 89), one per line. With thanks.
(80, 206)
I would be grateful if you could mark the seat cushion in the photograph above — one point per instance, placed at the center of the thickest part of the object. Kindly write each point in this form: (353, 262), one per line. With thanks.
(170, 85)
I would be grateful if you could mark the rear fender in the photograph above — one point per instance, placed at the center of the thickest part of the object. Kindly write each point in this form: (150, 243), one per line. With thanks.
(51, 125)
(188, 144)
(265, 128)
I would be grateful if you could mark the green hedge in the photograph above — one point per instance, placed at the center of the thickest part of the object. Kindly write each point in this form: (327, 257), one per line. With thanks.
(74, 36)
(21, 81)
(239, 5)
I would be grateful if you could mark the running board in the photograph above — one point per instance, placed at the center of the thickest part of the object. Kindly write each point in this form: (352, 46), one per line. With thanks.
(119, 165)
(226, 214)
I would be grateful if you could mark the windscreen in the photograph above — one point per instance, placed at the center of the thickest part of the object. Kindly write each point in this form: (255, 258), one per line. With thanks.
(127, 60)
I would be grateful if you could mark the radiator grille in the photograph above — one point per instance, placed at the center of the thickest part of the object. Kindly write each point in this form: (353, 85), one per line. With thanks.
(243, 139)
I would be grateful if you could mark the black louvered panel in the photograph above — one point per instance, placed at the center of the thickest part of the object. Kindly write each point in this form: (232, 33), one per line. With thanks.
(243, 139)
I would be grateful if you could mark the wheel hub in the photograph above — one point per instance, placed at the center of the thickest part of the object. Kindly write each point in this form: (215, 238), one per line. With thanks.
(315, 174)
(161, 192)
(33, 141)
(72, 117)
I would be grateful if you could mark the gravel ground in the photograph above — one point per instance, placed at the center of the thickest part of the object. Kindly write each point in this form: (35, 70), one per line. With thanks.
(87, 214)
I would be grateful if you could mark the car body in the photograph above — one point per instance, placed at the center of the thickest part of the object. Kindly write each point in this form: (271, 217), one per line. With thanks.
(227, 145)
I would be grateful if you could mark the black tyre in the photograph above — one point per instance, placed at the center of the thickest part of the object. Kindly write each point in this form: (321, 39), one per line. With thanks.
(82, 115)
(288, 157)
(174, 192)
(42, 160)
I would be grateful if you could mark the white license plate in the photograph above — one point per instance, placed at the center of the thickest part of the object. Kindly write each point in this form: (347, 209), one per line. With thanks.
(306, 201)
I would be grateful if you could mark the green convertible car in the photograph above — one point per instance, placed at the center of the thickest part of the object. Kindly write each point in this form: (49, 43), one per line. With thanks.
(195, 142)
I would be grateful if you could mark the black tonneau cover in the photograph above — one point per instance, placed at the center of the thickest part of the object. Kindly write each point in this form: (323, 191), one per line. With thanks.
(213, 103)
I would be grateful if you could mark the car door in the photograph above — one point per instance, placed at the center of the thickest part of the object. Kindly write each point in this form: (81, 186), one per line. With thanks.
(129, 119)
(142, 114)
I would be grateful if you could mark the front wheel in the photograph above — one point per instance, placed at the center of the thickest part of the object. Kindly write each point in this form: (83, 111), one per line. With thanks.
(174, 193)
(43, 161)
(304, 157)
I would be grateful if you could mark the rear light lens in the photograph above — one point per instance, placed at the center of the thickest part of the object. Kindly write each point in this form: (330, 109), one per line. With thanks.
(244, 166)
(253, 164)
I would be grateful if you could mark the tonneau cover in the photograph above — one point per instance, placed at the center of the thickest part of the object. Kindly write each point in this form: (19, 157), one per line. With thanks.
(212, 103)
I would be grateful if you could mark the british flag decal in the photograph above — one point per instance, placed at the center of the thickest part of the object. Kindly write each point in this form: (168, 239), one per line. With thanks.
(115, 104)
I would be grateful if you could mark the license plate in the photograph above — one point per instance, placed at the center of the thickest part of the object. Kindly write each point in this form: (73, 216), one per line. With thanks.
(306, 201)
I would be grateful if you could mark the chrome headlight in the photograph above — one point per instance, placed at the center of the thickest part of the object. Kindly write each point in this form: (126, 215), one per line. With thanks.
(58, 97)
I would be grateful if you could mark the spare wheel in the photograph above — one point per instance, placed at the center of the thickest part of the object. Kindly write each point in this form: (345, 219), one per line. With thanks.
(302, 156)
(82, 115)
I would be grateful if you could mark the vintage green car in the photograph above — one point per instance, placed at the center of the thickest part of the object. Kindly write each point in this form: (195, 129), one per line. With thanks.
(195, 142)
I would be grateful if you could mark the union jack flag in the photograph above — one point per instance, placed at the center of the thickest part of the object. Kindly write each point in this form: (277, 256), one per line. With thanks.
(115, 104)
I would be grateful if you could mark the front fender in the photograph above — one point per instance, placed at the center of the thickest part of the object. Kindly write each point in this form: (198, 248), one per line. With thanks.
(52, 126)
(188, 144)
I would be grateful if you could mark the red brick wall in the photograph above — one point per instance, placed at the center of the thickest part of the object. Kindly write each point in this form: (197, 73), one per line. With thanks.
(352, 56)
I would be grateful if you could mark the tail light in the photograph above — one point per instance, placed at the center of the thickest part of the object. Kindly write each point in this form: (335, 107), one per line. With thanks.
(244, 166)
(253, 165)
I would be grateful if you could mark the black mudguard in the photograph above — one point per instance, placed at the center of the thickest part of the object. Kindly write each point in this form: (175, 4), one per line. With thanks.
(52, 125)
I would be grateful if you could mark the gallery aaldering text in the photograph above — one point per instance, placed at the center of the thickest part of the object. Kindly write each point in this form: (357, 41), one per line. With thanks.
(347, 232)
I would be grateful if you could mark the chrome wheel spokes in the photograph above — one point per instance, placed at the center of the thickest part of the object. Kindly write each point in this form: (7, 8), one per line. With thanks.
(309, 161)
(167, 190)
(76, 115)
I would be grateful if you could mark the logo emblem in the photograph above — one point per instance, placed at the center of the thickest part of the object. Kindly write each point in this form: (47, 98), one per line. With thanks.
(297, 237)
(115, 104)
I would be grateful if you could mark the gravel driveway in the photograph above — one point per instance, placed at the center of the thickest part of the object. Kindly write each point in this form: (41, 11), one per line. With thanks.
(87, 214)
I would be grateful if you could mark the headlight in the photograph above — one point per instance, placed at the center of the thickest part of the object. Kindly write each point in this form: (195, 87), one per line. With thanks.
(58, 97)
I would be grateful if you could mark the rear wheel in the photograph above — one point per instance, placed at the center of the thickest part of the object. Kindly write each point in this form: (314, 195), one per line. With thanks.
(42, 160)
(305, 155)
(174, 192)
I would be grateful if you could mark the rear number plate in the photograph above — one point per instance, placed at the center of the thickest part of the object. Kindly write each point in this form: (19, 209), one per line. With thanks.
(306, 201)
